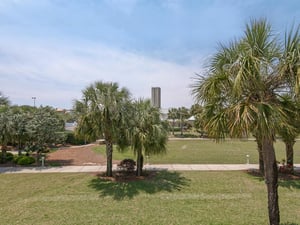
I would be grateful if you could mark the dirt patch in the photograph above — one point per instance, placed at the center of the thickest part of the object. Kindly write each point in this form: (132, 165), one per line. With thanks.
(76, 156)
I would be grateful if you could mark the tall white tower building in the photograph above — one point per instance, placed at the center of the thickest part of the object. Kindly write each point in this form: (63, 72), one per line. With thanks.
(155, 97)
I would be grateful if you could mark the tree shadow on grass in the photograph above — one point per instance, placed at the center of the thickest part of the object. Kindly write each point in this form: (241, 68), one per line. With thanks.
(290, 184)
(153, 182)
(288, 223)
(290, 181)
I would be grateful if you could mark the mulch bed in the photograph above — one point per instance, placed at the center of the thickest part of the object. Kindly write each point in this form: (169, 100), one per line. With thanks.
(71, 156)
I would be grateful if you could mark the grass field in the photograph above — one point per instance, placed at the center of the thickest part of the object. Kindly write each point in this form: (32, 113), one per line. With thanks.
(208, 152)
(202, 198)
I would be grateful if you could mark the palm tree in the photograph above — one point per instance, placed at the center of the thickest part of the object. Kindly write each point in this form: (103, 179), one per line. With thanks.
(292, 108)
(146, 132)
(173, 114)
(196, 111)
(183, 115)
(102, 115)
(289, 68)
(241, 95)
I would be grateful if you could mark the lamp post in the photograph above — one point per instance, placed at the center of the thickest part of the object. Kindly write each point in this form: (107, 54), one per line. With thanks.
(34, 98)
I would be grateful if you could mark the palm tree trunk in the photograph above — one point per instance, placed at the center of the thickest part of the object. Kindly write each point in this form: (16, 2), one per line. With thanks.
(289, 148)
(109, 152)
(139, 163)
(260, 156)
(271, 179)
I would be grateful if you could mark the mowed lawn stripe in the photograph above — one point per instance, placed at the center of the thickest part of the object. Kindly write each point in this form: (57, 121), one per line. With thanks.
(169, 198)
(207, 152)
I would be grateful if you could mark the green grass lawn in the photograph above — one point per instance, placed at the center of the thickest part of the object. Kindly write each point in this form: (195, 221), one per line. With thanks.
(202, 198)
(208, 152)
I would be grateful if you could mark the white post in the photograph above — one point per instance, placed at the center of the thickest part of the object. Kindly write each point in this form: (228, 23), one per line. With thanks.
(248, 159)
(43, 161)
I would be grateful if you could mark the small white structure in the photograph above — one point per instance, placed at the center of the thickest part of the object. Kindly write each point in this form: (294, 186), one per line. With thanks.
(192, 119)
(70, 126)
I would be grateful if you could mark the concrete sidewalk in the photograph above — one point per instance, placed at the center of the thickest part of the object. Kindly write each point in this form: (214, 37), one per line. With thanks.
(171, 167)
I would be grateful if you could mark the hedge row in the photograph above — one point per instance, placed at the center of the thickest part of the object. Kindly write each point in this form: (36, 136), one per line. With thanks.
(19, 160)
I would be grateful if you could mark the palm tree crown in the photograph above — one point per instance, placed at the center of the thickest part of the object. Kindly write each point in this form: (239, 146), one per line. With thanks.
(146, 131)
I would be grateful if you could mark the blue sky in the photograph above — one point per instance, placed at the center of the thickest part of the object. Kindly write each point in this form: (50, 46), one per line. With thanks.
(53, 49)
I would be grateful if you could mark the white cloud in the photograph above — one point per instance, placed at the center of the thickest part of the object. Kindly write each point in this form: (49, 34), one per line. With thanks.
(57, 72)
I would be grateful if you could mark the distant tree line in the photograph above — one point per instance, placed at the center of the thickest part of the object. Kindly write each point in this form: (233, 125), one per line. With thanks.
(29, 129)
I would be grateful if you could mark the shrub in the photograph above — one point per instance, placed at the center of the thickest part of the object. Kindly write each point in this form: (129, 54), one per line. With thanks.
(9, 156)
(72, 139)
(24, 160)
(127, 165)
(175, 129)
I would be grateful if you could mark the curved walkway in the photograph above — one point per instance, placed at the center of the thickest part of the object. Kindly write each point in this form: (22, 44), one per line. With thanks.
(171, 167)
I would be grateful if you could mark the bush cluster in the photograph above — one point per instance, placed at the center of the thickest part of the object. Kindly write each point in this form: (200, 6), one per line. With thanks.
(72, 139)
(9, 157)
(24, 160)
(127, 165)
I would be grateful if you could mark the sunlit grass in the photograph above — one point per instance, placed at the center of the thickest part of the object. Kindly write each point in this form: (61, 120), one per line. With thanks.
(207, 152)
(170, 198)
